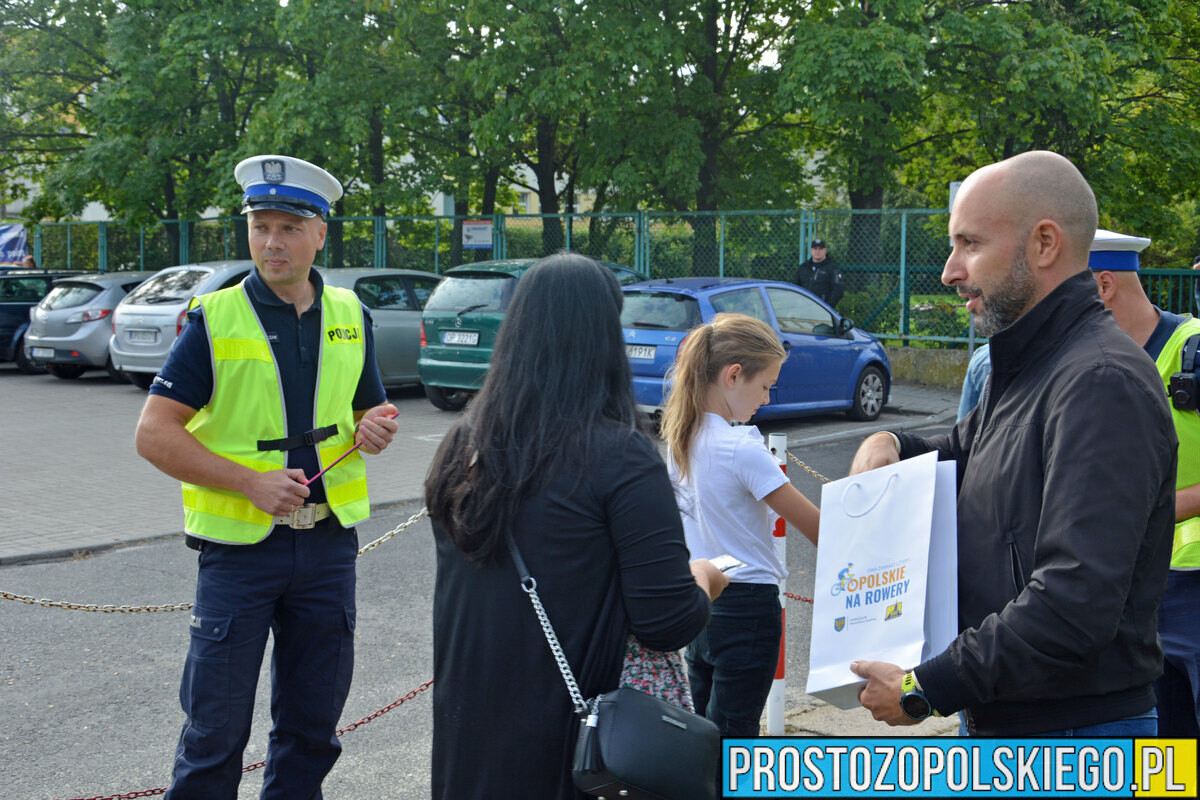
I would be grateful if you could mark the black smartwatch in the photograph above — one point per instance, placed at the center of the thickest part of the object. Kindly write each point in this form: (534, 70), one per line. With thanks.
(913, 701)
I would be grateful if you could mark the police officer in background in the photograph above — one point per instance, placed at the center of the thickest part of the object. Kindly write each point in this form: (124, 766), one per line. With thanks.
(269, 382)
(1196, 284)
(1172, 341)
(821, 275)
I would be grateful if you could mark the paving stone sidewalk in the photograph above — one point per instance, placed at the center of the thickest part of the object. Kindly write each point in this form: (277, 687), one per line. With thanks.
(73, 482)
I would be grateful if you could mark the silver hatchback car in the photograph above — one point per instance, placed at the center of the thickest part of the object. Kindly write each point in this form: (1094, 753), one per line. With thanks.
(70, 328)
(147, 322)
(395, 298)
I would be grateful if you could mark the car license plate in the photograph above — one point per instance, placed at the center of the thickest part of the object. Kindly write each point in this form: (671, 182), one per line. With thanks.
(143, 337)
(470, 338)
(42, 352)
(645, 351)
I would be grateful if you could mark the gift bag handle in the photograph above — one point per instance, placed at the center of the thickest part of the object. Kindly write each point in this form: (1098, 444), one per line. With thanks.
(855, 484)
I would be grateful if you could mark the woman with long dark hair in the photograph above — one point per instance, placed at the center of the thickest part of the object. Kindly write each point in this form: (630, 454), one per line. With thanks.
(549, 451)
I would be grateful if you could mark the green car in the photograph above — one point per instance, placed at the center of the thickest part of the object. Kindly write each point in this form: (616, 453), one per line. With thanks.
(460, 321)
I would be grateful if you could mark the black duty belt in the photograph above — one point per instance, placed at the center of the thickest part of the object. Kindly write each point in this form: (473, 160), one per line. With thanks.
(299, 440)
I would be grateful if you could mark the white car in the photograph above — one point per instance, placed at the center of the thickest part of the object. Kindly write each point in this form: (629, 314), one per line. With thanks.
(148, 321)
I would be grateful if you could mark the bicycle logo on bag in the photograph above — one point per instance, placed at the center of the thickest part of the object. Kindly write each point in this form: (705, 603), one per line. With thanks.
(845, 575)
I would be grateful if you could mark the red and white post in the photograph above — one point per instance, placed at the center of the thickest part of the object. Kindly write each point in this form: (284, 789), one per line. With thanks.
(777, 442)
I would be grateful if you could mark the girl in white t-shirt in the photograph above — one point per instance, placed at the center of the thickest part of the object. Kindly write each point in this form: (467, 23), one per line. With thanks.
(728, 484)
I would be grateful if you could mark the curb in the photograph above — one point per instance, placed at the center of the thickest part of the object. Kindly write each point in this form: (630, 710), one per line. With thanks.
(865, 431)
(69, 553)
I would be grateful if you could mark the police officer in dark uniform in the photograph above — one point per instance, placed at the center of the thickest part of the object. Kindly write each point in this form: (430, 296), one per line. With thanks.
(821, 275)
(269, 382)
(1172, 341)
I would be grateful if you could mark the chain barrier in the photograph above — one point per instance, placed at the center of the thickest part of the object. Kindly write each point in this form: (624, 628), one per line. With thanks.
(807, 468)
(63, 604)
(260, 764)
(823, 480)
(109, 609)
(424, 512)
(44, 603)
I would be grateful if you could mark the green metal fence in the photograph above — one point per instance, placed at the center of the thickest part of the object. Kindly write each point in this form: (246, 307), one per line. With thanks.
(891, 260)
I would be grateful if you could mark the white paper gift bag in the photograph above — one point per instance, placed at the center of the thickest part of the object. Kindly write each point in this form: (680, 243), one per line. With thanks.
(887, 573)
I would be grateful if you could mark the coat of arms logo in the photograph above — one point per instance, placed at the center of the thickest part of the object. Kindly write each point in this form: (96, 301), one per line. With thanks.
(273, 171)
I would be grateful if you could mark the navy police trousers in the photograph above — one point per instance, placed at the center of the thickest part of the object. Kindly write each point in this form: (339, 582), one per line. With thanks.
(299, 585)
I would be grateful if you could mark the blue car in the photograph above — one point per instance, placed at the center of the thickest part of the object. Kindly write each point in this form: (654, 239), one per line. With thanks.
(831, 365)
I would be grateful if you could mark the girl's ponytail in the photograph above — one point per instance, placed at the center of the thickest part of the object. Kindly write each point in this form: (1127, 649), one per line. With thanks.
(705, 351)
(689, 384)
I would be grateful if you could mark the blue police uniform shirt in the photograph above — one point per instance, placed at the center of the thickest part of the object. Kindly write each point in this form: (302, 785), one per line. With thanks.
(296, 345)
(1167, 323)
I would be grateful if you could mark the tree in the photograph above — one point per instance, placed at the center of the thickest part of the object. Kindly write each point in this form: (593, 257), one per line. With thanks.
(329, 106)
(439, 104)
(538, 72)
(52, 62)
(682, 105)
(681, 121)
(856, 72)
(1110, 85)
(171, 88)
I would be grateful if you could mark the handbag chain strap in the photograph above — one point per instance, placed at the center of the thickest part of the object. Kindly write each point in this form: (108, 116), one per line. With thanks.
(529, 586)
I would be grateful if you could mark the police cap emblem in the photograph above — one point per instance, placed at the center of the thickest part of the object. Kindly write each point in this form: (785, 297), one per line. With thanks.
(273, 171)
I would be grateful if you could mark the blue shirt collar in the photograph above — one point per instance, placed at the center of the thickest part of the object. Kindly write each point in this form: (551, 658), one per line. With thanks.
(1167, 323)
(261, 292)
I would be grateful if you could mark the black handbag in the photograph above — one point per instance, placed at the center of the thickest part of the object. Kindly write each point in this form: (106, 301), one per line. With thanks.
(632, 745)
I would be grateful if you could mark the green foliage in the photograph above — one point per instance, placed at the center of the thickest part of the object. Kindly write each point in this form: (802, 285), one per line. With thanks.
(52, 60)
(1111, 84)
(677, 106)
(858, 74)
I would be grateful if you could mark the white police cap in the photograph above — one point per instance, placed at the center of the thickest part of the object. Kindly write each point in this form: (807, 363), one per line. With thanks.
(286, 184)
(1116, 252)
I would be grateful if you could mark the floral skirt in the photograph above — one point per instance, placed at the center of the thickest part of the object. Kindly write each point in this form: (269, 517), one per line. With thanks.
(658, 673)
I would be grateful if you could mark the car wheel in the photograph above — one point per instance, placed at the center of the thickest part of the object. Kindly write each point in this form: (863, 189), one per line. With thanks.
(141, 380)
(65, 371)
(114, 374)
(23, 363)
(867, 402)
(447, 399)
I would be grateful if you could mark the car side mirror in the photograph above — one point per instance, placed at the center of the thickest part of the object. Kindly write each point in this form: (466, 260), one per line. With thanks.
(845, 326)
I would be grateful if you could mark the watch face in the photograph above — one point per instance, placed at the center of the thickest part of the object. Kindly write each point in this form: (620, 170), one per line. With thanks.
(915, 705)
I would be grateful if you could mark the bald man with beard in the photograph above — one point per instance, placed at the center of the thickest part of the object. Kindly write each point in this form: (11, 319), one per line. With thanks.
(1066, 482)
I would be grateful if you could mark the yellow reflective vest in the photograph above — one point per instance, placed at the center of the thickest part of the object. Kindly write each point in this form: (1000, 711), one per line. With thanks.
(247, 406)
(1185, 551)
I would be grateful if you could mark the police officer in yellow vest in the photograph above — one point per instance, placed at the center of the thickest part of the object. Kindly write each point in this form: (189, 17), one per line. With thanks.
(269, 382)
(1114, 263)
